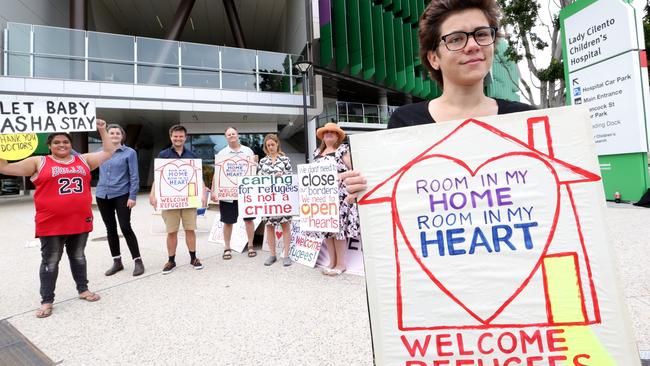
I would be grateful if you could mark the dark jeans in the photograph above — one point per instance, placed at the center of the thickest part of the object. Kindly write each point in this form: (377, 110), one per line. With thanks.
(51, 252)
(108, 208)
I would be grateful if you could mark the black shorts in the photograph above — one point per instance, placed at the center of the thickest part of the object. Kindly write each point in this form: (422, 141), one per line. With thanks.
(229, 212)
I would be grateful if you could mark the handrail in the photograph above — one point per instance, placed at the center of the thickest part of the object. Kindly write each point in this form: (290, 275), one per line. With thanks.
(284, 68)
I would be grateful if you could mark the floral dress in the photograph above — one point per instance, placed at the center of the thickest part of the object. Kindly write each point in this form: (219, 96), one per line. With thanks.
(348, 214)
(266, 166)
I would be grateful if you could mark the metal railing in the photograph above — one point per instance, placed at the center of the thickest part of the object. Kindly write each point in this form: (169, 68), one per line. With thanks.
(61, 53)
(355, 113)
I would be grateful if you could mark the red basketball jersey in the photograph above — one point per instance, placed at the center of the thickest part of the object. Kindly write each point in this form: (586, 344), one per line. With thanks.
(62, 198)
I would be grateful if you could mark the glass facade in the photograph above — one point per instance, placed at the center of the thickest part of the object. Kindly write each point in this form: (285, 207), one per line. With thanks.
(356, 113)
(61, 53)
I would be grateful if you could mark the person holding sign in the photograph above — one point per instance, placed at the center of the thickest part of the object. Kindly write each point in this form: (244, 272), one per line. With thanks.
(457, 47)
(228, 209)
(173, 217)
(63, 209)
(276, 163)
(332, 148)
(116, 194)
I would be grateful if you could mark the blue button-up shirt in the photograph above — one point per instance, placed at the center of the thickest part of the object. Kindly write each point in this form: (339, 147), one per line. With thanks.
(170, 153)
(119, 175)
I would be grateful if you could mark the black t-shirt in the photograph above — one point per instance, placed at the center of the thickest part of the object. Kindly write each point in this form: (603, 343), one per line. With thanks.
(418, 113)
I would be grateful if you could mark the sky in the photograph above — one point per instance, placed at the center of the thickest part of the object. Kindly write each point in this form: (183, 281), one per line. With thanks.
(543, 57)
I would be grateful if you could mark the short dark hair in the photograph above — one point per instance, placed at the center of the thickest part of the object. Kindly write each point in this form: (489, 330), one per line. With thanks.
(176, 128)
(51, 137)
(114, 125)
(437, 12)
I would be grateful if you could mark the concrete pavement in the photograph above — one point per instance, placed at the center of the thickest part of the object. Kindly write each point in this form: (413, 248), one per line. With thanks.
(235, 312)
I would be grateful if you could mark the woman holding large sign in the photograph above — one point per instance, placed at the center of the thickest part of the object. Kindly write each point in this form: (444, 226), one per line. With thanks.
(116, 194)
(63, 209)
(333, 148)
(457, 48)
(276, 163)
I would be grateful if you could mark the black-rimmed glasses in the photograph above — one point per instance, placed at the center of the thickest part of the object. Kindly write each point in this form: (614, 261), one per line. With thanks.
(456, 41)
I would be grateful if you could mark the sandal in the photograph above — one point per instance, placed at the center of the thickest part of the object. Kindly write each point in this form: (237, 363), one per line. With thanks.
(335, 272)
(227, 254)
(252, 253)
(89, 296)
(44, 312)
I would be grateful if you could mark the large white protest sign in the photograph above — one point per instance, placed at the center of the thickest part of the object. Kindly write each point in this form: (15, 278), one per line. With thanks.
(227, 170)
(268, 196)
(318, 187)
(484, 241)
(45, 115)
(178, 183)
(238, 239)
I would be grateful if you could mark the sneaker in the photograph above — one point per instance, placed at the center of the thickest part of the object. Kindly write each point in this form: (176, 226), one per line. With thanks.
(168, 268)
(270, 260)
(286, 261)
(196, 263)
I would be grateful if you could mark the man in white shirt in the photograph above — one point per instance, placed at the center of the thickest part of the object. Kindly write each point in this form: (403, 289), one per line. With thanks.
(229, 209)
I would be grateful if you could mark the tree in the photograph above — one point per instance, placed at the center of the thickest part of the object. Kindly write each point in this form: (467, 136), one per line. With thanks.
(519, 20)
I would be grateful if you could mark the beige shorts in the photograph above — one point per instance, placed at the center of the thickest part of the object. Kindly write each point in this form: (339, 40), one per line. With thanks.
(173, 219)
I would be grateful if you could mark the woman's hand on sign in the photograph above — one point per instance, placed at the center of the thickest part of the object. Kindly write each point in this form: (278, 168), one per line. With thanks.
(354, 182)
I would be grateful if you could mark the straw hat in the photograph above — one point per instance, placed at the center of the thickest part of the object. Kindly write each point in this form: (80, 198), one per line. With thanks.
(330, 127)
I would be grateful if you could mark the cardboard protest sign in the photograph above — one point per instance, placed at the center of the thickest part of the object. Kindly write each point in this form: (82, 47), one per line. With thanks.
(18, 146)
(45, 115)
(238, 239)
(353, 257)
(486, 244)
(268, 196)
(227, 170)
(304, 247)
(319, 197)
(178, 183)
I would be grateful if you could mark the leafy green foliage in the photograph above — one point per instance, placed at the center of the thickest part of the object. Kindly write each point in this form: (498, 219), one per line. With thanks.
(521, 22)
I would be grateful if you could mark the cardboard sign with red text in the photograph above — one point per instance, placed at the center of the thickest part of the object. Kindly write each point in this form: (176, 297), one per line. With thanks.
(485, 244)
(227, 170)
(178, 183)
(268, 196)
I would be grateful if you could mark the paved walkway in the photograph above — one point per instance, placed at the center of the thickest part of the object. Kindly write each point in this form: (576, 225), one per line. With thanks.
(234, 312)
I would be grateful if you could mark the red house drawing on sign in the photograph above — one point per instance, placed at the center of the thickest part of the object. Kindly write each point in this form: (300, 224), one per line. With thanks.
(429, 299)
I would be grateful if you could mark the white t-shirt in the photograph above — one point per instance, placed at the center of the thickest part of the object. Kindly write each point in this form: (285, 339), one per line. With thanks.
(243, 151)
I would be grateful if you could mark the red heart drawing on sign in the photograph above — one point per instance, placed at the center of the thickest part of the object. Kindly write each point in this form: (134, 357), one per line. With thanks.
(278, 234)
(480, 240)
(231, 169)
(178, 176)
